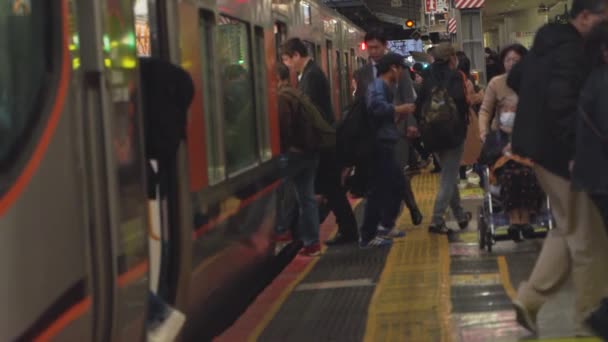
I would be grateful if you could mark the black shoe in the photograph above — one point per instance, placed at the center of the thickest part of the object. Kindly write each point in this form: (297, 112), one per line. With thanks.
(340, 239)
(598, 320)
(527, 231)
(436, 170)
(416, 217)
(464, 222)
(515, 233)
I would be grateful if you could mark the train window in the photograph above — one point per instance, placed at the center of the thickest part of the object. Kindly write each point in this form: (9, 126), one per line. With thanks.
(213, 126)
(234, 53)
(24, 59)
(280, 36)
(306, 13)
(261, 86)
(339, 78)
(330, 71)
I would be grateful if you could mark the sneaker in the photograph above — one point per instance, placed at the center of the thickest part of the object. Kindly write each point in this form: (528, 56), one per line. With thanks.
(387, 233)
(375, 242)
(440, 229)
(515, 233)
(525, 317)
(168, 329)
(312, 250)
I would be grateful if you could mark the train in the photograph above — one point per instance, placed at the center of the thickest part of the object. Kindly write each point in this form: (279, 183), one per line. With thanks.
(81, 242)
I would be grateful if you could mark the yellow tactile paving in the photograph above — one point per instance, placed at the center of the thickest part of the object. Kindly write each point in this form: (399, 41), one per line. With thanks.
(412, 299)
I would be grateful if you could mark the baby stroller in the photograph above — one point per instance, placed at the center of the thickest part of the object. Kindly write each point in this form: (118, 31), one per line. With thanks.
(493, 220)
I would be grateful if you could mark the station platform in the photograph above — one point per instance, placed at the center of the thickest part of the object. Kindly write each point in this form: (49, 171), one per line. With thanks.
(423, 288)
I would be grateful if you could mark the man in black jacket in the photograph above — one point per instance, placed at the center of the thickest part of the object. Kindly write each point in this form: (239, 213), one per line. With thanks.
(548, 82)
(314, 83)
(404, 93)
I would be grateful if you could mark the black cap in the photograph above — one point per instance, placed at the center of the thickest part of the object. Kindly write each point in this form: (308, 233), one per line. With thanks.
(389, 60)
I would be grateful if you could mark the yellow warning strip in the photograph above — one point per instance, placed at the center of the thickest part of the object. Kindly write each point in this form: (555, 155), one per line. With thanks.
(412, 299)
(505, 278)
(259, 329)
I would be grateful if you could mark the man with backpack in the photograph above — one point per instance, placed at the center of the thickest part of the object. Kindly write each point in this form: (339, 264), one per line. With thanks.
(315, 85)
(442, 116)
(403, 93)
(387, 178)
(304, 133)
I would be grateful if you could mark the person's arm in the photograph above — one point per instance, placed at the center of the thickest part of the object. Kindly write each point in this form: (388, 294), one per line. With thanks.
(285, 122)
(486, 113)
(475, 98)
(378, 104)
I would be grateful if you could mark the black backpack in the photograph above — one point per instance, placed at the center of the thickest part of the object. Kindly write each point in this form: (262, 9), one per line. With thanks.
(355, 134)
(167, 93)
(441, 124)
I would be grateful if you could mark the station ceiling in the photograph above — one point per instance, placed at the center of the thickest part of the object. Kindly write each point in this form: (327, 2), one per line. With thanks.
(388, 14)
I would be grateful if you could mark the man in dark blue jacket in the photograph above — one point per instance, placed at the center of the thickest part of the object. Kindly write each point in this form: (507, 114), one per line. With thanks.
(314, 83)
(387, 179)
(549, 81)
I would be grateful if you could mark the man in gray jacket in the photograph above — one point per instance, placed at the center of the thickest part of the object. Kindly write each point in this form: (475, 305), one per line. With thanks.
(376, 43)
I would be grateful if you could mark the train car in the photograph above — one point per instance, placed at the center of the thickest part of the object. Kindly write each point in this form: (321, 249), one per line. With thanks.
(81, 245)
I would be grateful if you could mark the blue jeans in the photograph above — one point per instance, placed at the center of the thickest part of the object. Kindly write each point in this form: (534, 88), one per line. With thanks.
(302, 185)
(386, 190)
(448, 194)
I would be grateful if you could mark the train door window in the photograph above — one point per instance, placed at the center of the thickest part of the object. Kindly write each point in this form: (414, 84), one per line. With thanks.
(318, 52)
(213, 124)
(280, 36)
(345, 81)
(234, 53)
(330, 72)
(339, 77)
(24, 65)
(265, 151)
(306, 12)
(142, 28)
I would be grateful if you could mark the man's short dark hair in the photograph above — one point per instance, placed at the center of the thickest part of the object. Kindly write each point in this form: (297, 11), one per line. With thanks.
(293, 45)
(387, 61)
(376, 33)
(593, 6)
(283, 72)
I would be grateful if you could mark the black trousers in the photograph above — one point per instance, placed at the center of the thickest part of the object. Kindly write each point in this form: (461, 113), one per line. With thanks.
(328, 184)
(601, 201)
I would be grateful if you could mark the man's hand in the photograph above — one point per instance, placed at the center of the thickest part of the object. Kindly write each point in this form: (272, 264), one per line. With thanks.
(408, 108)
(412, 132)
(345, 173)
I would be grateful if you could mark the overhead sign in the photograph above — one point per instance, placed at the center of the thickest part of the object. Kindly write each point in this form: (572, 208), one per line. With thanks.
(443, 6)
(461, 4)
(396, 3)
(430, 6)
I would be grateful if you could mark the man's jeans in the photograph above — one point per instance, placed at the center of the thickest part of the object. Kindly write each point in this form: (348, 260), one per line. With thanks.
(301, 184)
(448, 194)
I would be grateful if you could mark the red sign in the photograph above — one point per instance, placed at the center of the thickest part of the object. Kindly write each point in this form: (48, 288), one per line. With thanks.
(430, 6)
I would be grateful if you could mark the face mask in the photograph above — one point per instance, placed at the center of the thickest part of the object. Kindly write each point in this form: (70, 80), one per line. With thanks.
(507, 119)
